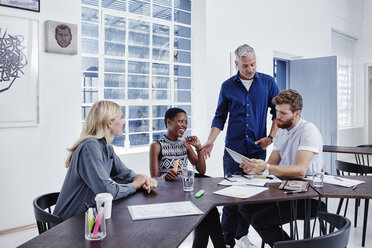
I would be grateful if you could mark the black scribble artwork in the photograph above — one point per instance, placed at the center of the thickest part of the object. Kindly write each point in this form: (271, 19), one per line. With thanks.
(12, 59)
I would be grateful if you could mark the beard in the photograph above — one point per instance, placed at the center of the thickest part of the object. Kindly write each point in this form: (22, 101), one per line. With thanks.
(286, 124)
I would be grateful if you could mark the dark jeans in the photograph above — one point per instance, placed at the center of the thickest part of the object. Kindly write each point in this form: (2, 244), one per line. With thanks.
(209, 226)
(234, 226)
(267, 220)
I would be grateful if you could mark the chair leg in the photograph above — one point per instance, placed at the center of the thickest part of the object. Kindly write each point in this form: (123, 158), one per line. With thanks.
(356, 212)
(366, 205)
(340, 206)
(262, 244)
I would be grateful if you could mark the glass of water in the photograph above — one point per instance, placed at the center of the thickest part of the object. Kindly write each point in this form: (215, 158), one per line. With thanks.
(188, 176)
(318, 178)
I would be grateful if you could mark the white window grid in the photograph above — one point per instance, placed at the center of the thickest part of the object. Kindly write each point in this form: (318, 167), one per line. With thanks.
(138, 102)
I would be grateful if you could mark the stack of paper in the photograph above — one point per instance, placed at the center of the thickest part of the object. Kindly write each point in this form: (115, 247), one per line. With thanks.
(241, 191)
(341, 181)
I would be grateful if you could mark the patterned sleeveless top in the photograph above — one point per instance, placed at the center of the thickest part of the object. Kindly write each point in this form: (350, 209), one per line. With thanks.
(171, 150)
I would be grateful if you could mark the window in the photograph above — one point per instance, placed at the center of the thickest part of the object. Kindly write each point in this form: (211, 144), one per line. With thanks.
(138, 54)
(344, 47)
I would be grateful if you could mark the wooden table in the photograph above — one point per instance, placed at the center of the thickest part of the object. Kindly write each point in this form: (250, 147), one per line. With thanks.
(166, 232)
(348, 149)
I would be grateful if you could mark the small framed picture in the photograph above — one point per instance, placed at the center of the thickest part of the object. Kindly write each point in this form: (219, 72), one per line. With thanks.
(32, 5)
(61, 37)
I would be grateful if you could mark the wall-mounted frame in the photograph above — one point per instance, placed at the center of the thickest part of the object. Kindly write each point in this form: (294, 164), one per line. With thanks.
(60, 37)
(32, 5)
(19, 72)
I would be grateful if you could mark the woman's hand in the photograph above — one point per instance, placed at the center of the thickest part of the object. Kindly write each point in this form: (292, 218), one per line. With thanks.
(171, 175)
(194, 141)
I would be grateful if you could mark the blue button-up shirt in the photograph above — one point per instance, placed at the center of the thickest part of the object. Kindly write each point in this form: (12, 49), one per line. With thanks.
(247, 111)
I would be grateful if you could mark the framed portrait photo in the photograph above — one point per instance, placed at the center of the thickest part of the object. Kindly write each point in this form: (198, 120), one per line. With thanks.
(32, 5)
(60, 37)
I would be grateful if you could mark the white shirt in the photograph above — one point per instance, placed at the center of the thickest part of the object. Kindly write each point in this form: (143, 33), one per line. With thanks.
(305, 136)
(247, 83)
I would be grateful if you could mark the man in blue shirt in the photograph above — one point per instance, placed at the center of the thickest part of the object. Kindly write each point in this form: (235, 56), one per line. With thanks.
(245, 99)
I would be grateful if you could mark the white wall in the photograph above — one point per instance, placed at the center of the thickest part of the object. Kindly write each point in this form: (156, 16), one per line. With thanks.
(32, 159)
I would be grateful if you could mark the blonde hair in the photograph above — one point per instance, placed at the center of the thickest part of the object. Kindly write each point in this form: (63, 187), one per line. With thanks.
(95, 125)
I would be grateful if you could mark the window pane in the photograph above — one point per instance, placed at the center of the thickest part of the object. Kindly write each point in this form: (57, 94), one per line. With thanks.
(163, 2)
(183, 44)
(138, 126)
(114, 49)
(160, 41)
(123, 111)
(139, 139)
(139, 7)
(139, 38)
(89, 46)
(115, 21)
(138, 52)
(160, 29)
(89, 15)
(183, 96)
(89, 95)
(159, 110)
(138, 67)
(160, 82)
(187, 133)
(118, 141)
(137, 81)
(90, 79)
(183, 4)
(184, 71)
(182, 57)
(182, 31)
(89, 64)
(160, 94)
(138, 94)
(90, 2)
(162, 12)
(114, 34)
(182, 83)
(157, 136)
(114, 80)
(138, 111)
(160, 69)
(182, 17)
(114, 65)
(160, 54)
(187, 109)
(84, 112)
(89, 30)
(114, 94)
(114, 4)
(158, 125)
(139, 26)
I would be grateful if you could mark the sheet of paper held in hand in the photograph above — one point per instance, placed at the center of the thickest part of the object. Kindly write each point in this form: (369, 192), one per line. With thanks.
(163, 210)
(341, 181)
(236, 156)
(245, 191)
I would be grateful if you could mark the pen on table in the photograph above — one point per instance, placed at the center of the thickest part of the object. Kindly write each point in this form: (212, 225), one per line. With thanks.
(294, 191)
(339, 179)
(355, 186)
(263, 177)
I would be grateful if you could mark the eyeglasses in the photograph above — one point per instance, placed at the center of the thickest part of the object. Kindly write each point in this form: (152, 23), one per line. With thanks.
(229, 177)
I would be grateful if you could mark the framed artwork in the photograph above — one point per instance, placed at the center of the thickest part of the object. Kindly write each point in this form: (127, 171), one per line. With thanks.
(19, 72)
(32, 5)
(61, 37)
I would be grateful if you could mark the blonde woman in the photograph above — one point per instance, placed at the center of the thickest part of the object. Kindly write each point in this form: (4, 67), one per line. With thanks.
(93, 166)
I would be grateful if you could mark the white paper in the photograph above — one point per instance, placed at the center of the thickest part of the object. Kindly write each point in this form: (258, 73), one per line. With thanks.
(236, 156)
(163, 210)
(245, 191)
(341, 181)
(239, 180)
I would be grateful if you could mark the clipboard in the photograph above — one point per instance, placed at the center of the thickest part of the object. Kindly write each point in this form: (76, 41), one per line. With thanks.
(236, 156)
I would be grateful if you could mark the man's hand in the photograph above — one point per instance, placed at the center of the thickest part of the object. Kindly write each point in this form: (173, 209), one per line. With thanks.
(171, 175)
(264, 142)
(253, 167)
(139, 180)
(208, 146)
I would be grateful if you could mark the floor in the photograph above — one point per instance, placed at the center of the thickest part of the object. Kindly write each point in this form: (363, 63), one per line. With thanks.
(15, 239)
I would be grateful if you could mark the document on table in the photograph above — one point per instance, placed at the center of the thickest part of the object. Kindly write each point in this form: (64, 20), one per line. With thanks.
(163, 210)
(341, 181)
(242, 180)
(245, 191)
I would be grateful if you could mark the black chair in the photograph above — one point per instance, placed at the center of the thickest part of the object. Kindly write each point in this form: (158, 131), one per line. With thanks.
(363, 159)
(346, 168)
(45, 218)
(339, 238)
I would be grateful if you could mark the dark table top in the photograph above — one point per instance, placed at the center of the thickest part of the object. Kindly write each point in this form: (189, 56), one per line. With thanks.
(165, 232)
(348, 149)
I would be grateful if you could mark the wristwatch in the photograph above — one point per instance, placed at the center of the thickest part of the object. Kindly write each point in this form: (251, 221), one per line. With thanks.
(271, 137)
(266, 171)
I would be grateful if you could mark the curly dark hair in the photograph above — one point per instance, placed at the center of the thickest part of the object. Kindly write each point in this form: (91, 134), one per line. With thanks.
(289, 96)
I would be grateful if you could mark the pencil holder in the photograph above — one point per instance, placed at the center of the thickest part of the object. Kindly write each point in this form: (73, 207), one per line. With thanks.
(95, 225)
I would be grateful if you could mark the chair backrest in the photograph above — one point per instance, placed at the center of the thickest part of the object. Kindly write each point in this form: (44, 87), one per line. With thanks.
(342, 167)
(339, 238)
(45, 218)
(363, 159)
